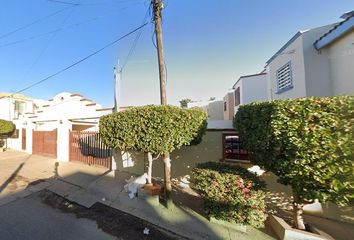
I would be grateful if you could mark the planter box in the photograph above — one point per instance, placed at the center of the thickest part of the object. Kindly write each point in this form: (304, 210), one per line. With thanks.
(234, 226)
(285, 232)
(153, 189)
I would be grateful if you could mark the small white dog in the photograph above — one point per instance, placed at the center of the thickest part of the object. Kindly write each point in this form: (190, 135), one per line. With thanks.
(133, 184)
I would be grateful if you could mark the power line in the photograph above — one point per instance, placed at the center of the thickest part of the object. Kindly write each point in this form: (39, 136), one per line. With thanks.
(74, 25)
(36, 60)
(73, 4)
(81, 60)
(135, 42)
(34, 22)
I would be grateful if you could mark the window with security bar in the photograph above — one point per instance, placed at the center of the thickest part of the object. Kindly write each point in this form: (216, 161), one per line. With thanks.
(284, 78)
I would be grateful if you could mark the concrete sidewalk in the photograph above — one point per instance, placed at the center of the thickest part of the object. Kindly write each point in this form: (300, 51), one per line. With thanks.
(87, 185)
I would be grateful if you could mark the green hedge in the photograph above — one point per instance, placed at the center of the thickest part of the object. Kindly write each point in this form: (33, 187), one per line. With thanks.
(307, 143)
(6, 128)
(230, 193)
(155, 129)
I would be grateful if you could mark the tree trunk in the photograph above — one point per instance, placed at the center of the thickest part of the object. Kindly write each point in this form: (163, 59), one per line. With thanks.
(167, 175)
(149, 156)
(297, 213)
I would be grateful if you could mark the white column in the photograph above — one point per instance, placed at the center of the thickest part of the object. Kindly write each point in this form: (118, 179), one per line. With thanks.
(29, 138)
(64, 127)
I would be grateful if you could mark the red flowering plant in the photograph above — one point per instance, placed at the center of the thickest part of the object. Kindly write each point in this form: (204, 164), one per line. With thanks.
(230, 193)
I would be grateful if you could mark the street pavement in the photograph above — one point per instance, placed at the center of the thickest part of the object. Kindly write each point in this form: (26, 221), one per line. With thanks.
(29, 218)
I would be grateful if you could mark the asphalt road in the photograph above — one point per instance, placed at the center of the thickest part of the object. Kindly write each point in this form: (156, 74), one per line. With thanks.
(30, 218)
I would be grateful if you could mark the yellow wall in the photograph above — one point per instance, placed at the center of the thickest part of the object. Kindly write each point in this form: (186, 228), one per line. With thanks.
(210, 149)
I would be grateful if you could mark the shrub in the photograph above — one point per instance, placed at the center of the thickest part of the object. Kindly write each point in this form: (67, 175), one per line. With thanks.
(155, 129)
(6, 128)
(307, 143)
(230, 193)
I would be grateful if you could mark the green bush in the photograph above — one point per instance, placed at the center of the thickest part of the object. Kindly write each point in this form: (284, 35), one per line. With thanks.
(230, 193)
(307, 143)
(6, 128)
(155, 129)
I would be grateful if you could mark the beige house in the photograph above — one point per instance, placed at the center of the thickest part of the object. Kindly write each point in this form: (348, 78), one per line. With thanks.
(229, 103)
(314, 62)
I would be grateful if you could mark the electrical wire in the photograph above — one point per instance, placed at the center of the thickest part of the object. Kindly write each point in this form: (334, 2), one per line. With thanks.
(81, 60)
(77, 24)
(135, 42)
(50, 40)
(34, 22)
(73, 4)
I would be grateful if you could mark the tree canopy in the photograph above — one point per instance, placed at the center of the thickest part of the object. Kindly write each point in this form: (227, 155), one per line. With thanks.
(155, 129)
(307, 143)
(6, 127)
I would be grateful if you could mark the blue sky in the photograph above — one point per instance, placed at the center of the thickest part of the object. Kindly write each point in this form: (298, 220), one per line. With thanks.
(208, 45)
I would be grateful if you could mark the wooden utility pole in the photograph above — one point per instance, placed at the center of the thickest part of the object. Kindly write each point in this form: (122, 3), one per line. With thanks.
(157, 7)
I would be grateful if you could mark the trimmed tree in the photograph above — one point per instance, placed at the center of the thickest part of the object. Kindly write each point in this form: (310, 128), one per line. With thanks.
(307, 143)
(154, 130)
(184, 102)
(6, 129)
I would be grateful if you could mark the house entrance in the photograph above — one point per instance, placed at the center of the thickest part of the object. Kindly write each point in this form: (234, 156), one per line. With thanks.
(45, 143)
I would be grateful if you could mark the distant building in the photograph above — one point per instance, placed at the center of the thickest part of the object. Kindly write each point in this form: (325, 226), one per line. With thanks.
(213, 108)
(314, 62)
(250, 88)
(229, 104)
(13, 106)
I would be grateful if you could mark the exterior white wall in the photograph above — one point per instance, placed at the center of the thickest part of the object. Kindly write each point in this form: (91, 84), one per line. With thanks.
(254, 89)
(294, 54)
(317, 70)
(5, 108)
(341, 58)
(63, 140)
(29, 137)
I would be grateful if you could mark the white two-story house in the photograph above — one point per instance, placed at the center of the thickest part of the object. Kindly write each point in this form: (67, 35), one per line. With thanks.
(315, 62)
(250, 88)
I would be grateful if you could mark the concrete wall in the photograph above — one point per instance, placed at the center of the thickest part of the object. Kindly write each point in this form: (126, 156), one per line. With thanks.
(183, 160)
(341, 58)
(283, 196)
(210, 149)
(294, 54)
(214, 108)
(317, 70)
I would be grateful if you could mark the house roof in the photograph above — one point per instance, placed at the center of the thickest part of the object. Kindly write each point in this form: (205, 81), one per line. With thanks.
(298, 34)
(15, 96)
(248, 76)
(337, 31)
